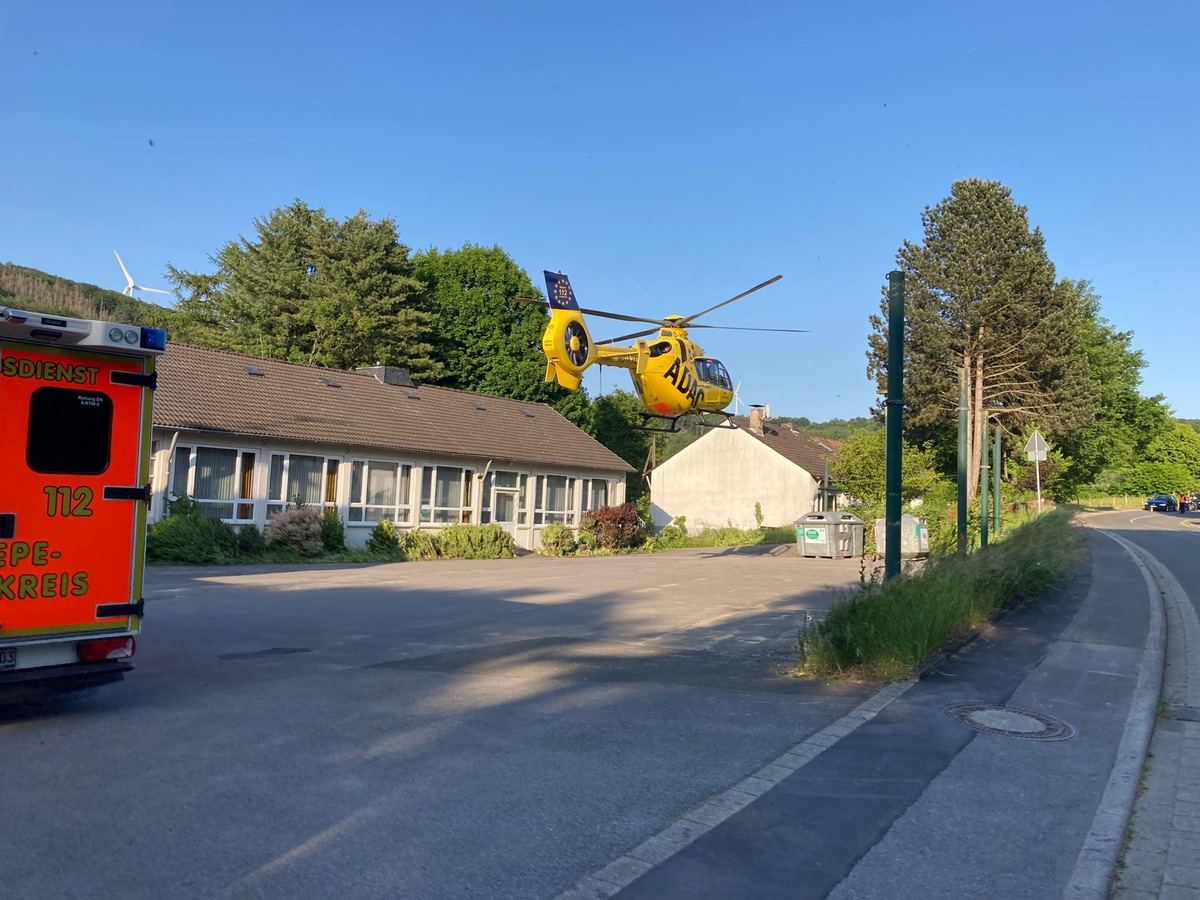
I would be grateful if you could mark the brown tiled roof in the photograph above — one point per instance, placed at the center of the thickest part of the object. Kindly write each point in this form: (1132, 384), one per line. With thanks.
(211, 390)
(808, 451)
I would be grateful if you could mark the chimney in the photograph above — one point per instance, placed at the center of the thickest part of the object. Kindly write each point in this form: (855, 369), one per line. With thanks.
(388, 375)
(756, 420)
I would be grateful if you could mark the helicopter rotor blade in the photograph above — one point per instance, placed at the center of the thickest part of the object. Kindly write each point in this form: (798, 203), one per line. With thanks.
(685, 322)
(628, 337)
(661, 323)
(740, 328)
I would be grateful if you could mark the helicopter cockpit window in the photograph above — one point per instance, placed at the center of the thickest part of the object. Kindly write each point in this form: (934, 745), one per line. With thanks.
(713, 372)
(660, 348)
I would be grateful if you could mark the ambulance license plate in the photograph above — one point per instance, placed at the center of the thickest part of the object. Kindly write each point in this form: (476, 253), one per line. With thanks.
(8, 658)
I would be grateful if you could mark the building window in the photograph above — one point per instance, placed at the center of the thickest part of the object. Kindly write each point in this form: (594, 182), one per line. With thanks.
(594, 494)
(218, 479)
(298, 479)
(380, 490)
(446, 494)
(554, 500)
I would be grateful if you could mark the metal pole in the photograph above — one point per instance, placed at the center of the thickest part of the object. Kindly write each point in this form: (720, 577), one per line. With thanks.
(895, 424)
(996, 483)
(962, 460)
(984, 489)
(1037, 468)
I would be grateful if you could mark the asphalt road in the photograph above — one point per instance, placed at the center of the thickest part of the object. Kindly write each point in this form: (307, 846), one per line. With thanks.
(455, 729)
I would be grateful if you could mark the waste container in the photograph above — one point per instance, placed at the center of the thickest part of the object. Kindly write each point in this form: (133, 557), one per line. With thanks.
(914, 537)
(836, 535)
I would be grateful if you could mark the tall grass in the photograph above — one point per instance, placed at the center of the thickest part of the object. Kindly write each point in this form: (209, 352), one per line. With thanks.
(885, 629)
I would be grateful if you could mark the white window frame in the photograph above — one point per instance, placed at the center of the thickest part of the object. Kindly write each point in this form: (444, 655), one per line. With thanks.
(330, 479)
(401, 510)
(431, 514)
(588, 494)
(544, 516)
(244, 503)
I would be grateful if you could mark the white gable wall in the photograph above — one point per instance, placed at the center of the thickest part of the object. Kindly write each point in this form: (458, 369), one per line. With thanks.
(716, 481)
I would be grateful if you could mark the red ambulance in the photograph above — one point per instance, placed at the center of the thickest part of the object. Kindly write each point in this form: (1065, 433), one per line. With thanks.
(75, 418)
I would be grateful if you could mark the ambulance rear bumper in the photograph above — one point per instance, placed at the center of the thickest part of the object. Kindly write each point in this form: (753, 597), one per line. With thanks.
(21, 685)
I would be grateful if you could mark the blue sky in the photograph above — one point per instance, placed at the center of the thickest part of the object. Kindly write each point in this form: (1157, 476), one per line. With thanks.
(664, 155)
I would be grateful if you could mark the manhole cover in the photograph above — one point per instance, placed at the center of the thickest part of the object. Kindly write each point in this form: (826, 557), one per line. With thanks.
(1010, 721)
(258, 654)
(1186, 713)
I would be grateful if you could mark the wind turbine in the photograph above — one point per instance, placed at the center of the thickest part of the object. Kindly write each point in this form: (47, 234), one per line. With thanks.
(131, 287)
(737, 398)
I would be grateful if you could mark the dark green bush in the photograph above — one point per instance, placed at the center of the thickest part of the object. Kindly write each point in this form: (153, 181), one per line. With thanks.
(475, 542)
(190, 537)
(418, 544)
(333, 532)
(385, 541)
(673, 535)
(250, 542)
(616, 527)
(558, 540)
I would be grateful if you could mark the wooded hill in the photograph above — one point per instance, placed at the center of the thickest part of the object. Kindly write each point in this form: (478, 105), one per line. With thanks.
(36, 291)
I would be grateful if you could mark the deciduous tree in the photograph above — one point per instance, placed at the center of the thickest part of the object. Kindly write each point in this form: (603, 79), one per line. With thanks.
(486, 342)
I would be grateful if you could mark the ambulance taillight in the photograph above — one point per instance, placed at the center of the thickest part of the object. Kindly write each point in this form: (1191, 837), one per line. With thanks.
(106, 648)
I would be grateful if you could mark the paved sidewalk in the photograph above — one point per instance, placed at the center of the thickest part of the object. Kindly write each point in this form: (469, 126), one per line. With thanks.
(1011, 771)
(1163, 855)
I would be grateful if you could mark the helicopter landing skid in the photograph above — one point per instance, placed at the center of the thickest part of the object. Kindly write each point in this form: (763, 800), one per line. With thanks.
(656, 424)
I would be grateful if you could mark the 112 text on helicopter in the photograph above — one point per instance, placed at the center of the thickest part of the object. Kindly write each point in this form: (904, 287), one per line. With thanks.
(671, 375)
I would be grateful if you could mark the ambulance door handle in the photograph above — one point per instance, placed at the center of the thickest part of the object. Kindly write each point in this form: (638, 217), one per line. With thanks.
(112, 492)
(8, 526)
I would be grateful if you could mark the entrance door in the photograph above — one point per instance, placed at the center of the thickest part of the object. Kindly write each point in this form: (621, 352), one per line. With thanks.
(504, 510)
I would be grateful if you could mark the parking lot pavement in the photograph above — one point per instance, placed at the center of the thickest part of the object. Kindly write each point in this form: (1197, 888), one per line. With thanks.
(484, 728)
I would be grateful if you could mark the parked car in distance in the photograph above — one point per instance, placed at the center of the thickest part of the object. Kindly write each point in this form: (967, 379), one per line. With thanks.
(1162, 503)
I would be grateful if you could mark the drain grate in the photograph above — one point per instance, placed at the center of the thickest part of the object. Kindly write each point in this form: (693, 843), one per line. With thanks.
(258, 654)
(1186, 713)
(1010, 721)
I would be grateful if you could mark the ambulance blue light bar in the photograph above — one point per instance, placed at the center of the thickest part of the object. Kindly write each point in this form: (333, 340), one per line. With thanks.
(154, 339)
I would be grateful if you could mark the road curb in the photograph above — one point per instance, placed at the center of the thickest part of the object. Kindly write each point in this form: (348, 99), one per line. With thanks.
(1097, 860)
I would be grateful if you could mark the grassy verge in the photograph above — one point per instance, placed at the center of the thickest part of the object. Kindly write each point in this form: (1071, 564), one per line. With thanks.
(884, 629)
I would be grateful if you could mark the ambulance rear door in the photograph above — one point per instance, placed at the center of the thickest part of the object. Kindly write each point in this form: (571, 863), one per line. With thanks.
(74, 453)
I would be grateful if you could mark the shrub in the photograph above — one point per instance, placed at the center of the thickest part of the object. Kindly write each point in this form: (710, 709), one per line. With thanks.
(587, 542)
(674, 535)
(476, 542)
(333, 532)
(250, 541)
(559, 540)
(297, 529)
(190, 537)
(418, 545)
(385, 541)
(616, 527)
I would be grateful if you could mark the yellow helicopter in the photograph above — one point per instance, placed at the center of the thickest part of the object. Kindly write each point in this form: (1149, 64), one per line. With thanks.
(671, 375)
